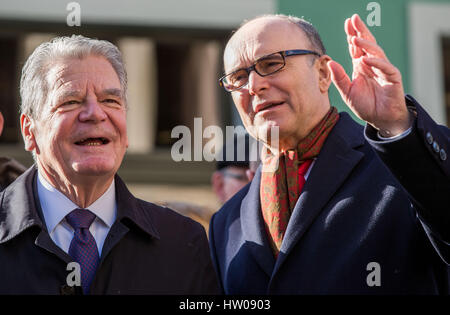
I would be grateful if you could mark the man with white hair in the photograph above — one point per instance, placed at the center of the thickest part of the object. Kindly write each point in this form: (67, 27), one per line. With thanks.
(69, 225)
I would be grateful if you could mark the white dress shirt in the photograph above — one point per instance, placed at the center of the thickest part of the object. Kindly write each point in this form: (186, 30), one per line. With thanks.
(55, 206)
(395, 138)
(309, 169)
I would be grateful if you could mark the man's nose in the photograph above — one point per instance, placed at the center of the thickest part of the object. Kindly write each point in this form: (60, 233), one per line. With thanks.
(256, 83)
(92, 111)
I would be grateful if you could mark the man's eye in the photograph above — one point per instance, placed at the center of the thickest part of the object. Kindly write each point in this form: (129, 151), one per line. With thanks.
(72, 102)
(111, 100)
(270, 65)
(238, 77)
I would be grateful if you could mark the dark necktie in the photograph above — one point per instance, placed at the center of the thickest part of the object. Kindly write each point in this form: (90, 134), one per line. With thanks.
(83, 248)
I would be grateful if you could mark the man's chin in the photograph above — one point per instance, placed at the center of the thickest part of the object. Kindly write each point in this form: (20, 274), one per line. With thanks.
(97, 169)
(269, 131)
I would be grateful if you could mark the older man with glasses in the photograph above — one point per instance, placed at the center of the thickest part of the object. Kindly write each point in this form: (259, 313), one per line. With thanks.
(335, 208)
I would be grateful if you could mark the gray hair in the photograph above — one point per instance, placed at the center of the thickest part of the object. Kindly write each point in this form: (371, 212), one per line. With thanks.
(308, 29)
(34, 88)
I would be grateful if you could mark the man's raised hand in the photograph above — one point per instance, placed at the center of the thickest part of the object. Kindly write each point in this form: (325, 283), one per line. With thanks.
(375, 93)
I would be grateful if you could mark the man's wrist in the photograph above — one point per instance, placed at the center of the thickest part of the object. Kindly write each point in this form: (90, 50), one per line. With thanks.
(394, 138)
(397, 129)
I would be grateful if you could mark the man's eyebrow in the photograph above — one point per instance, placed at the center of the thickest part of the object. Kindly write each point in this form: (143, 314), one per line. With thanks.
(78, 93)
(235, 70)
(262, 57)
(73, 93)
(114, 92)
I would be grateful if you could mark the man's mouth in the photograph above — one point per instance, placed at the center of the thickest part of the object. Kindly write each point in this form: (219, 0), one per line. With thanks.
(92, 141)
(265, 106)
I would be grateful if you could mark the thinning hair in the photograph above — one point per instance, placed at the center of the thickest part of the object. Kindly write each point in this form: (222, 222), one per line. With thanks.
(308, 29)
(34, 86)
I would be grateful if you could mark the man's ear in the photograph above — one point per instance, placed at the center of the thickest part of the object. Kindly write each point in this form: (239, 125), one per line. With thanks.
(217, 185)
(250, 174)
(324, 73)
(27, 126)
(1, 123)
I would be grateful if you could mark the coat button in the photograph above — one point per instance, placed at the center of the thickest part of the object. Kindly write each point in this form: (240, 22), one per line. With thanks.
(429, 138)
(443, 155)
(435, 147)
(67, 290)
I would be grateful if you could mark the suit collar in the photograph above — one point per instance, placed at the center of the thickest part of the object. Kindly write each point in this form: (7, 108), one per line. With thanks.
(18, 208)
(21, 210)
(253, 228)
(333, 166)
(56, 205)
(129, 209)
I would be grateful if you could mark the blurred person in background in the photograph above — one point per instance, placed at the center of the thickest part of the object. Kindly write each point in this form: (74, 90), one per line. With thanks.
(10, 169)
(232, 173)
(228, 178)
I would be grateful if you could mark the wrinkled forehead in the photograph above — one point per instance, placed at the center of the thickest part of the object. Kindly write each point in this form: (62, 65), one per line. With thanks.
(69, 72)
(261, 37)
(69, 66)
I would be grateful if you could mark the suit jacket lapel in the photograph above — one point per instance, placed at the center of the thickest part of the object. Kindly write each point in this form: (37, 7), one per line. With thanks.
(129, 215)
(333, 165)
(253, 227)
(44, 240)
(22, 211)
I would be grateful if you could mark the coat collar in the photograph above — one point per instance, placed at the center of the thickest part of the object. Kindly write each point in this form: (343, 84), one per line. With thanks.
(334, 164)
(18, 208)
(129, 208)
(252, 225)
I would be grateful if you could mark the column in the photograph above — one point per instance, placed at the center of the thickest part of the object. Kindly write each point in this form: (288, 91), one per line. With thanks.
(139, 55)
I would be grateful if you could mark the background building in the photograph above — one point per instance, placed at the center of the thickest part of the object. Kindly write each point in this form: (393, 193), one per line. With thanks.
(173, 54)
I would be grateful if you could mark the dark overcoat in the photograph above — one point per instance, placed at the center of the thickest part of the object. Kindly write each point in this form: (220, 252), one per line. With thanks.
(148, 250)
(355, 228)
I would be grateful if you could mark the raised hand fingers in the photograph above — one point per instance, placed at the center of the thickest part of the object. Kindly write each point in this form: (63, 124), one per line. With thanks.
(361, 28)
(349, 29)
(354, 51)
(340, 78)
(384, 69)
(369, 47)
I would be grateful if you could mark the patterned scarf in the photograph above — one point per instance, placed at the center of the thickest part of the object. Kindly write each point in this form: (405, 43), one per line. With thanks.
(281, 186)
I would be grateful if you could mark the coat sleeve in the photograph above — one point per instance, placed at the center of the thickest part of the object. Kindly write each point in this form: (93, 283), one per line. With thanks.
(420, 162)
(212, 247)
(207, 277)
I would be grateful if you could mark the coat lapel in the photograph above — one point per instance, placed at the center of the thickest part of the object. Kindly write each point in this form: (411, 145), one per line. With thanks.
(23, 211)
(333, 165)
(129, 215)
(253, 227)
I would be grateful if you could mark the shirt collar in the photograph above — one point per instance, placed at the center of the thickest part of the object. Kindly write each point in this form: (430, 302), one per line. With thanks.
(55, 205)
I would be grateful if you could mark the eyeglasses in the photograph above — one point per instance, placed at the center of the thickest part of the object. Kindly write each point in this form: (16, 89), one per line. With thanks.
(264, 66)
(239, 177)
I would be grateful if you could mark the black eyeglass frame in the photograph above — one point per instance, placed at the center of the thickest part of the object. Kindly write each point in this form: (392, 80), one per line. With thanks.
(239, 177)
(284, 54)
